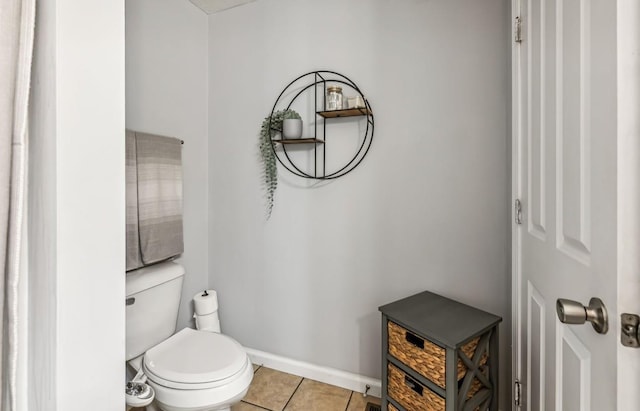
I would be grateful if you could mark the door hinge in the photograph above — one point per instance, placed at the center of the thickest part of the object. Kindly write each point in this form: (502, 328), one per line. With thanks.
(517, 211)
(517, 387)
(517, 30)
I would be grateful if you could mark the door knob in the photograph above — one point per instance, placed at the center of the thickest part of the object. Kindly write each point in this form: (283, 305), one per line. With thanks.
(573, 312)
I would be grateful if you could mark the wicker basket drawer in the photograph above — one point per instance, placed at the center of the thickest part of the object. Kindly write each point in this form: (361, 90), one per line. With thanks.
(410, 394)
(425, 357)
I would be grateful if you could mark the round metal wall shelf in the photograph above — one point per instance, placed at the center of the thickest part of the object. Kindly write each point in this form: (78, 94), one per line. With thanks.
(313, 85)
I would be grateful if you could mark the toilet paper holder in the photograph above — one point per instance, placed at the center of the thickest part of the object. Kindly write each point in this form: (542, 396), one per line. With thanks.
(205, 307)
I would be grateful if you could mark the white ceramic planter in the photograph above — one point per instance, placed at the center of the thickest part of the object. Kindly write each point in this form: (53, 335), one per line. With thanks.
(292, 128)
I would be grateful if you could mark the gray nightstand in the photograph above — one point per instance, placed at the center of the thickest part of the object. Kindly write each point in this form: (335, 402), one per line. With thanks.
(438, 355)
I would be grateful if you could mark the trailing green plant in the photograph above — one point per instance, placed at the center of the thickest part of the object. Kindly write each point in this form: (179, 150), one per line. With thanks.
(271, 126)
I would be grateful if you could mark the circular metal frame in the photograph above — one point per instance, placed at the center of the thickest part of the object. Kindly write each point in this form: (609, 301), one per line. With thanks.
(321, 78)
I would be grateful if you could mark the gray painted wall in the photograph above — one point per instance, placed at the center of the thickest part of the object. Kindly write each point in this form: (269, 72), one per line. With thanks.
(166, 75)
(427, 209)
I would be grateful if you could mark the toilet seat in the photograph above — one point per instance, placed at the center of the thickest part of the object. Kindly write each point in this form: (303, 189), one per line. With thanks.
(193, 360)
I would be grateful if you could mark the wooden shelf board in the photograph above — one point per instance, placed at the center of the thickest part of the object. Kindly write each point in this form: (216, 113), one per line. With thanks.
(299, 141)
(350, 112)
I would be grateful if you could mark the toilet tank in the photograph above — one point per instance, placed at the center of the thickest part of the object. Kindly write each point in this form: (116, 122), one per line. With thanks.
(152, 302)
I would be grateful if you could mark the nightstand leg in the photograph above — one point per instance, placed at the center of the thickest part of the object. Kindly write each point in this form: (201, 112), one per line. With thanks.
(451, 380)
(385, 350)
(493, 368)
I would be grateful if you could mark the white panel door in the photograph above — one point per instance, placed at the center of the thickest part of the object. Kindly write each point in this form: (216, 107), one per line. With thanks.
(564, 173)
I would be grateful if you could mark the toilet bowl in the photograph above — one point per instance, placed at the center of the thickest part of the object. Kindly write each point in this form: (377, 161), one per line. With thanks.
(198, 371)
(191, 370)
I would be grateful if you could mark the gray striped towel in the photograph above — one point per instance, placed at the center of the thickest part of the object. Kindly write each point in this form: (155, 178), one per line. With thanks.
(154, 199)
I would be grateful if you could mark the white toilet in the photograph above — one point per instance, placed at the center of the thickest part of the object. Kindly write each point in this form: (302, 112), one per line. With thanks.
(191, 370)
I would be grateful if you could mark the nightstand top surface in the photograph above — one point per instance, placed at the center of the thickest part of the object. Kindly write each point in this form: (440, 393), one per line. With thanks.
(439, 319)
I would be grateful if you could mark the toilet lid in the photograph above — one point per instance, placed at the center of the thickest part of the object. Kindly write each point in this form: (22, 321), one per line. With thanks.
(192, 356)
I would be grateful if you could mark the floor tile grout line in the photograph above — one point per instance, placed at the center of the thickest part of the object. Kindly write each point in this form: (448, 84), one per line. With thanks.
(349, 402)
(256, 405)
(292, 394)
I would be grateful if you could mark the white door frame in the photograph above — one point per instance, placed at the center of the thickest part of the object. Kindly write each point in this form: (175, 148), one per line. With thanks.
(628, 72)
(516, 271)
(628, 224)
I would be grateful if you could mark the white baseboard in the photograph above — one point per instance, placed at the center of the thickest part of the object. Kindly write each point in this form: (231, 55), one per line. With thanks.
(348, 380)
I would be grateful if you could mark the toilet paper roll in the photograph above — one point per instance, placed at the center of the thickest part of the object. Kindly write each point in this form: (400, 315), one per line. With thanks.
(209, 322)
(205, 302)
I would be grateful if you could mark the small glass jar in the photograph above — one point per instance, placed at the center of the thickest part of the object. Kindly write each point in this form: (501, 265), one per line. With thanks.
(334, 98)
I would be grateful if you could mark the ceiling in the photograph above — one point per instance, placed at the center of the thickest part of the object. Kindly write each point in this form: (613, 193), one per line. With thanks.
(214, 6)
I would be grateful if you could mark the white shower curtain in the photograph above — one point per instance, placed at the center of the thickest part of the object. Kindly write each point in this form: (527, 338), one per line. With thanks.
(16, 44)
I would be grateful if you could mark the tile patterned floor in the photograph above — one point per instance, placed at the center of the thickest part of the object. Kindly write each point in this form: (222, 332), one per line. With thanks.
(273, 390)
(278, 391)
